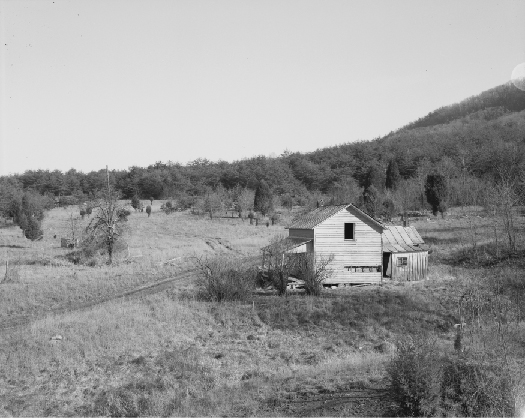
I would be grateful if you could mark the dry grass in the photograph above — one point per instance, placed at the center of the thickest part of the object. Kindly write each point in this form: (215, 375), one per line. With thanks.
(215, 357)
(170, 354)
(160, 246)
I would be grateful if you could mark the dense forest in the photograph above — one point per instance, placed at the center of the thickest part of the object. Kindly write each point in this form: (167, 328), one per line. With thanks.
(473, 144)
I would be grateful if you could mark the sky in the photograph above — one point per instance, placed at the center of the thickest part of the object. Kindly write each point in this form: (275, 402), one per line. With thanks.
(90, 83)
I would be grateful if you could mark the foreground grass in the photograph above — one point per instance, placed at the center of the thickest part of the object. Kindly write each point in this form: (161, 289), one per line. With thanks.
(163, 356)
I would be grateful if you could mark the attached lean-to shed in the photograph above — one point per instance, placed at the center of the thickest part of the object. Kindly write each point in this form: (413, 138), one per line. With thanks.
(405, 255)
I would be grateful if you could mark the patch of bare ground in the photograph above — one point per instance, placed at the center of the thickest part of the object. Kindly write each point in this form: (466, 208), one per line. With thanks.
(345, 402)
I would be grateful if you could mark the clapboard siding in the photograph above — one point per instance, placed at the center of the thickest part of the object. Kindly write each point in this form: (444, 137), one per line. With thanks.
(301, 233)
(416, 268)
(364, 250)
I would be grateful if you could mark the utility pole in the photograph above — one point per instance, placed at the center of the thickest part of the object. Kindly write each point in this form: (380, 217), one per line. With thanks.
(107, 176)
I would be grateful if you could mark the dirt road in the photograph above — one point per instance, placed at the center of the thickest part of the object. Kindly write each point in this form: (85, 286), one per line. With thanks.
(150, 288)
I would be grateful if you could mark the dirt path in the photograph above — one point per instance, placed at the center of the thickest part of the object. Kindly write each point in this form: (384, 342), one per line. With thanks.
(147, 289)
(353, 402)
(150, 288)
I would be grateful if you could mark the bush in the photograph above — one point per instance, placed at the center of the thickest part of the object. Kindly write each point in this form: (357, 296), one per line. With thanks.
(415, 378)
(94, 252)
(424, 382)
(168, 207)
(313, 272)
(185, 201)
(123, 214)
(68, 201)
(136, 203)
(474, 388)
(224, 279)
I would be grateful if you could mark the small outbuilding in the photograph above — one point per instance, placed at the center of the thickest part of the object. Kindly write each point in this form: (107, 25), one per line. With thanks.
(363, 250)
(405, 255)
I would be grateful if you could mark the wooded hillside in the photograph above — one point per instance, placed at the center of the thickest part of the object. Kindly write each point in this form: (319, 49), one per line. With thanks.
(471, 143)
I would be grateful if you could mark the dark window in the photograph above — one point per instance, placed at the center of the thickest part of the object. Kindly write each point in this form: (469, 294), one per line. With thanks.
(402, 261)
(349, 231)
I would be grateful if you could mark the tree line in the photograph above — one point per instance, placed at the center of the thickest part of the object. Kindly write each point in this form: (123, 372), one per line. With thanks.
(386, 175)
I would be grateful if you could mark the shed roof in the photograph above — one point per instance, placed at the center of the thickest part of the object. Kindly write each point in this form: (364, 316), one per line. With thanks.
(287, 243)
(313, 218)
(399, 239)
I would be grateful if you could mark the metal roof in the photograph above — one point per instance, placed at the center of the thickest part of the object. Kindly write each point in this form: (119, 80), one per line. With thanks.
(313, 218)
(399, 239)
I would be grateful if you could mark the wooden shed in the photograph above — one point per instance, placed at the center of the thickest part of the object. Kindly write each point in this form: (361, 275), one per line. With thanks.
(405, 255)
(364, 250)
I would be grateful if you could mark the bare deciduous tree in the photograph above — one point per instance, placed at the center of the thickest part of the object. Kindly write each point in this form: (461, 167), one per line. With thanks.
(281, 262)
(313, 271)
(106, 227)
(502, 198)
(243, 198)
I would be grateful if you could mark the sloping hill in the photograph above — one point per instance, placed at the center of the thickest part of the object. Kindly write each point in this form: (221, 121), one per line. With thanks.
(495, 102)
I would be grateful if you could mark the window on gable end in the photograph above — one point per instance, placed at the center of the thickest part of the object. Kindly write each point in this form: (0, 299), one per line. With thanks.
(349, 230)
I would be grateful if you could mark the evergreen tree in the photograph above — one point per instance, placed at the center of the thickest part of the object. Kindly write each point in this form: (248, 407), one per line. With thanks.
(33, 229)
(263, 201)
(375, 177)
(392, 175)
(436, 191)
(135, 202)
(372, 201)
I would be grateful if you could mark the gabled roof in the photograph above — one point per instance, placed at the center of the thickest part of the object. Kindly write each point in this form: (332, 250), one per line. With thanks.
(313, 218)
(399, 239)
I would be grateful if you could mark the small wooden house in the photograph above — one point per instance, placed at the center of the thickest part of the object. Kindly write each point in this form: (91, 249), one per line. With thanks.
(364, 250)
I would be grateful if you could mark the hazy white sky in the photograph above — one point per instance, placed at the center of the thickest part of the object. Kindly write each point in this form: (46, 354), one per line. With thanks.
(86, 84)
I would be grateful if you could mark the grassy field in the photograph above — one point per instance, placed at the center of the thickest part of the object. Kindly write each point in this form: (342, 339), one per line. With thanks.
(158, 247)
(172, 354)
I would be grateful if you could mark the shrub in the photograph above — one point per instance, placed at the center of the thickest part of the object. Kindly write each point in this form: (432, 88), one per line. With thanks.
(475, 388)
(313, 272)
(136, 203)
(224, 279)
(68, 201)
(168, 207)
(415, 378)
(123, 214)
(424, 382)
(185, 201)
